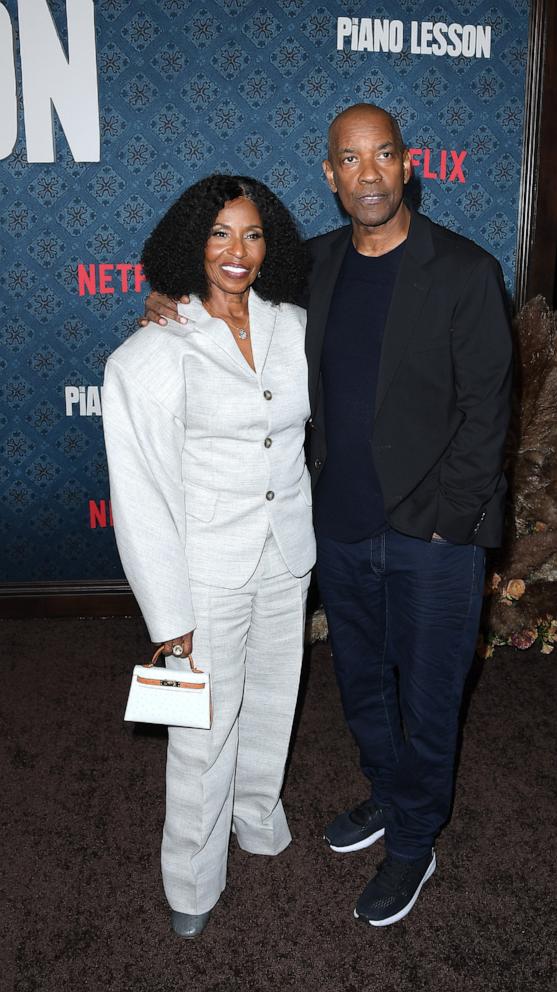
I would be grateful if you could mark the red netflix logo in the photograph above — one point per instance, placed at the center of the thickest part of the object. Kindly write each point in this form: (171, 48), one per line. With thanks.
(443, 164)
(108, 277)
(100, 514)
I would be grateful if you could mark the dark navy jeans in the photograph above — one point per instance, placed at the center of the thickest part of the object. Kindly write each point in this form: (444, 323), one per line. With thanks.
(399, 603)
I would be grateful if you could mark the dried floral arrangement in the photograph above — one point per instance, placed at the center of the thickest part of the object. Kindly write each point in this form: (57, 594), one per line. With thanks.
(521, 588)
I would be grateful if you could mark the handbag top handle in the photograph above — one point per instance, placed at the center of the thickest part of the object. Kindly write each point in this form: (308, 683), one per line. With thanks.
(157, 654)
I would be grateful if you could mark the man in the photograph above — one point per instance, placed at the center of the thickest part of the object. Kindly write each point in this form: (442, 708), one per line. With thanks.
(409, 358)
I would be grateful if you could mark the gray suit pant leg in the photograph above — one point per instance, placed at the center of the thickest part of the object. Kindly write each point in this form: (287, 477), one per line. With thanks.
(251, 641)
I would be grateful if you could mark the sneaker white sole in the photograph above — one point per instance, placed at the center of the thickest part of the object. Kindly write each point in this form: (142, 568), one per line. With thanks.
(367, 842)
(403, 912)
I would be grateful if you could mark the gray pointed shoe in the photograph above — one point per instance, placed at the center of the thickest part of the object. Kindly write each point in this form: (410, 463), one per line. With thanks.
(187, 925)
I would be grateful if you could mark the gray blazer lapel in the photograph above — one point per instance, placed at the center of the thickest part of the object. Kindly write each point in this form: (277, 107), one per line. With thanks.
(217, 330)
(410, 291)
(263, 316)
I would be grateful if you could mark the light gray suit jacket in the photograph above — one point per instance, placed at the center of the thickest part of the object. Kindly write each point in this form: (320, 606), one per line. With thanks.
(204, 455)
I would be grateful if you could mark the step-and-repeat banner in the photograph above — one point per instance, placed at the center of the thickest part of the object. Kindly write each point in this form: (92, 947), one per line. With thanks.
(109, 109)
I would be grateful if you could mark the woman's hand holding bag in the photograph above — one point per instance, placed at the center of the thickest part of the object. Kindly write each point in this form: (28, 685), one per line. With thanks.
(171, 696)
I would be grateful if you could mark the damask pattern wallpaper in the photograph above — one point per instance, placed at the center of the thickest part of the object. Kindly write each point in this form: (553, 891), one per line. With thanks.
(187, 87)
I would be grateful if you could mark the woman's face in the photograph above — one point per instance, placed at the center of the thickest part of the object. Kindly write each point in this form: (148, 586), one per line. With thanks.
(235, 247)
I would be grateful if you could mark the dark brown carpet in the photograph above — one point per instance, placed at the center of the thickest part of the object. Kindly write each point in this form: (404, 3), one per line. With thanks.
(82, 805)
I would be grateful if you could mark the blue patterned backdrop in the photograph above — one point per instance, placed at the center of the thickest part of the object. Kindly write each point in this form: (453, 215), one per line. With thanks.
(187, 88)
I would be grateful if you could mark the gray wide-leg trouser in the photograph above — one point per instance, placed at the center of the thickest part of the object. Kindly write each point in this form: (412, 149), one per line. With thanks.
(251, 641)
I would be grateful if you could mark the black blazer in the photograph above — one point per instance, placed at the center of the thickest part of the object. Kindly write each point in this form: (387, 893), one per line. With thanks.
(443, 393)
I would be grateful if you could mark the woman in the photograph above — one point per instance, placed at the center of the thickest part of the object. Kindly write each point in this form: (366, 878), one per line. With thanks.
(204, 428)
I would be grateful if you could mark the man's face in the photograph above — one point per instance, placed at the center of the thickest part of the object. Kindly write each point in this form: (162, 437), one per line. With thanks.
(366, 167)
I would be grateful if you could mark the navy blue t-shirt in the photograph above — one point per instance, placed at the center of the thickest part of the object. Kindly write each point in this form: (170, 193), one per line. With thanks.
(348, 499)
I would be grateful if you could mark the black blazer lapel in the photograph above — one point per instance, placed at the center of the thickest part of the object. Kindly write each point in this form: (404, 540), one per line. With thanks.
(328, 258)
(410, 291)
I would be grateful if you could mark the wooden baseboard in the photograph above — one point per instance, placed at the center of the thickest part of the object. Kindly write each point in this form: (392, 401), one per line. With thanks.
(67, 599)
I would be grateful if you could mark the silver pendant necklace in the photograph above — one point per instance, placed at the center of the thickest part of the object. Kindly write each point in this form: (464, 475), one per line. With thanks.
(242, 332)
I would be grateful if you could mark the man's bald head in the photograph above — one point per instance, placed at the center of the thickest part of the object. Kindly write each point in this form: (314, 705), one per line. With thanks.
(368, 168)
(359, 111)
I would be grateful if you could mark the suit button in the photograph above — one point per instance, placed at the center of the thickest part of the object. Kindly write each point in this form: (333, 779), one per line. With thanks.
(479, 523)
(268, 394)
(268, 442)
(270, 495)
(317, 463)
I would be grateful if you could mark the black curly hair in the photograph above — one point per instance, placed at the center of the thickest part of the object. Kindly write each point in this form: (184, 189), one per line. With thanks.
(173, 255)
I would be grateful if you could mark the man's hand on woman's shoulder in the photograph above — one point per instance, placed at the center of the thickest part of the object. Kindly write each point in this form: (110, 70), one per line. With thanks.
(160, 309)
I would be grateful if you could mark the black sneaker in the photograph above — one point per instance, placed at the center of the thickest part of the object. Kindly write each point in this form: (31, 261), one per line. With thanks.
(394, 890)
(358, 828)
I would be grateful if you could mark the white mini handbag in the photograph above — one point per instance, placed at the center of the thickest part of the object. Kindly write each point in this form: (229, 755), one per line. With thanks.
(168, 696)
